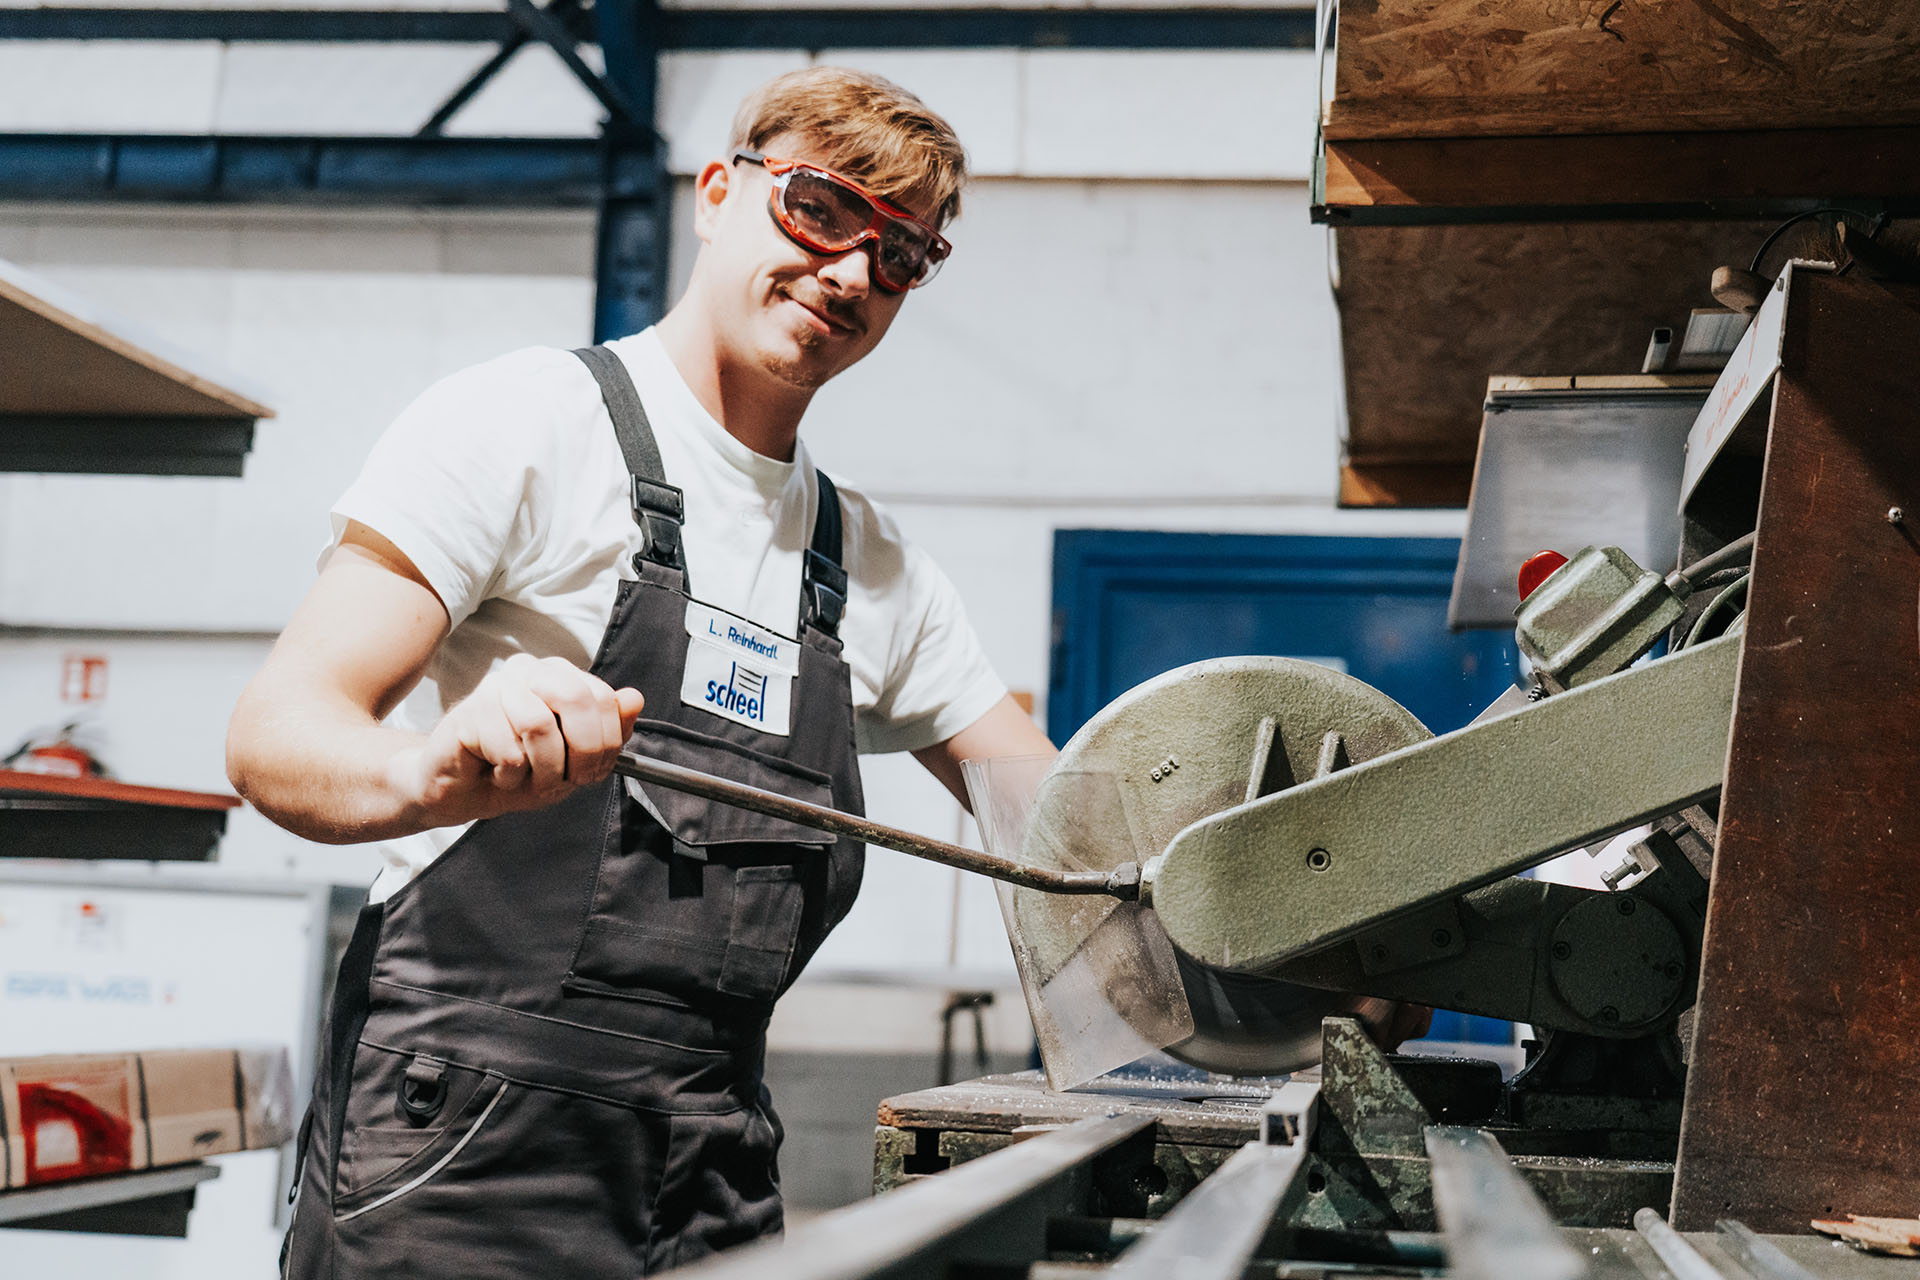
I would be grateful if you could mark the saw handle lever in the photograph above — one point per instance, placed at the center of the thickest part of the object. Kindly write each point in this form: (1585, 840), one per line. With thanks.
(1122, 882)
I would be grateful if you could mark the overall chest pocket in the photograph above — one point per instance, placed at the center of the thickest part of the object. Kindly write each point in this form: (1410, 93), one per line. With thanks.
(694, 898)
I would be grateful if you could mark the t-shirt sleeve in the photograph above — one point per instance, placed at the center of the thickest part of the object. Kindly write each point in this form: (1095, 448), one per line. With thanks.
(448, 481)
(936, 679)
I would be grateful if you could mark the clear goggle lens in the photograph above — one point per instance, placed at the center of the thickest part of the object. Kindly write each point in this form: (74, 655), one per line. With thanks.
(832, 217)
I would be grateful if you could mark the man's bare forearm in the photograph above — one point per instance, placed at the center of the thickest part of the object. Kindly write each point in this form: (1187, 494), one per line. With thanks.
(333, 775)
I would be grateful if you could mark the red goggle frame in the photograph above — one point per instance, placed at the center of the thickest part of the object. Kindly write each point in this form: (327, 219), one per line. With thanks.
(826, 213)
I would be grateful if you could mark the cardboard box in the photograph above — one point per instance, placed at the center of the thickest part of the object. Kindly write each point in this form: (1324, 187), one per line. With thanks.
(77, 1116)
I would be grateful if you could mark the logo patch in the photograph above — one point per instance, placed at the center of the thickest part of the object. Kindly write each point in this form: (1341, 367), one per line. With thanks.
(738, 670)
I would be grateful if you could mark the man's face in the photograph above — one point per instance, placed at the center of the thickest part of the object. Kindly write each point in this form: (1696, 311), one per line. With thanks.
(800, 315)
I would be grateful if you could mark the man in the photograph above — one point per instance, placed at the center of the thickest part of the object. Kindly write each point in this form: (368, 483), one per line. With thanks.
(544, 1056)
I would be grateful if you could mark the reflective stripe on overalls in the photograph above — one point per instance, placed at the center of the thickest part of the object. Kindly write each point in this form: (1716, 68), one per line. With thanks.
(544, 1053)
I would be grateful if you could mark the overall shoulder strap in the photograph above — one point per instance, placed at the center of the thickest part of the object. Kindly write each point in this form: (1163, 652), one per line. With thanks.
(658, 507)
(823, 582)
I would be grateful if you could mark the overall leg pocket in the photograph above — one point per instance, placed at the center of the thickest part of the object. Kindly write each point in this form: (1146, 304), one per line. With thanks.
(720, 1187)
(408, 1117)
(536, 1183)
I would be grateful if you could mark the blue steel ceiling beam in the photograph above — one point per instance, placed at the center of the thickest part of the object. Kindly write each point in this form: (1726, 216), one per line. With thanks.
(777, 27)
(630, 249)
(241, 169)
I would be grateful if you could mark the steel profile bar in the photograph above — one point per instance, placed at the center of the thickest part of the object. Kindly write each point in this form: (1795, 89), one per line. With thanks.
(472, 85)
(127, 445)
(1213, 1232)
(952, 1216)
(484, 172)
(1681, 1258)
(777, 27)
(551, 32)
(1494, 1226)
(1311, 866)
(1758, 1255)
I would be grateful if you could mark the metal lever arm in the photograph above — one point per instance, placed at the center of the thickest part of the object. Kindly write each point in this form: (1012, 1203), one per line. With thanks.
(1300, 870)
(1122, 882)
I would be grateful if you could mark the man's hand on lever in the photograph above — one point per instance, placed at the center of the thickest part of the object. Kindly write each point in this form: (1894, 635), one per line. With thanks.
(530, 732)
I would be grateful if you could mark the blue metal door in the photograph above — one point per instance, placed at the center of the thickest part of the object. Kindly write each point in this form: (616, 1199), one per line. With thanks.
(1129, 605)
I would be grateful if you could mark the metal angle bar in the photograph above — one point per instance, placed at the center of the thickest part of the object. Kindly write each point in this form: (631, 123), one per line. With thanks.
(217, 169)
(551, 32)
(1494, 1226)
(1359, 215)
(1281, 27)
(474, 84)
(68, 1197)
(1300, 870)
(1681, 1258)
(1213, 1232)
(914, 1222)
(303, 26)
(130, 445)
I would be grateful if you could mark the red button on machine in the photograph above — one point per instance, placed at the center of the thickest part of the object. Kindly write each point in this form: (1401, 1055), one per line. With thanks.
(1536, 570)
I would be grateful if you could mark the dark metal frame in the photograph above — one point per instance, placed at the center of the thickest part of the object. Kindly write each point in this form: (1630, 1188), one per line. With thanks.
(777, 27)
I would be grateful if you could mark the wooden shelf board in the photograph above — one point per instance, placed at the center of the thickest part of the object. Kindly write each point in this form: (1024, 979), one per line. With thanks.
(1439, 68)
(1406, 484)
(17, 782)
(56, 360)
(1659, 170)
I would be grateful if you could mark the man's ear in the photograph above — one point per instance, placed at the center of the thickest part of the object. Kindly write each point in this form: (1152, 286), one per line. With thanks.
(710, 192)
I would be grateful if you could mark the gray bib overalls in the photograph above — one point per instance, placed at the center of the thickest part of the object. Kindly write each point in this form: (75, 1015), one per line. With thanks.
(544, 1053)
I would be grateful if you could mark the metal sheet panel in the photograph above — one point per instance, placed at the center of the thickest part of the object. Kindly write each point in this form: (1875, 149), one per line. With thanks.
(1563, 470)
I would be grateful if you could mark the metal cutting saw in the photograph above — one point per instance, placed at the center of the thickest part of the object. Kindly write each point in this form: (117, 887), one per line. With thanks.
(1238, 849)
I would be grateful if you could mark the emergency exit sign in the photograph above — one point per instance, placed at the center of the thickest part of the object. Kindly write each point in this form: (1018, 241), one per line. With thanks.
(83, 677)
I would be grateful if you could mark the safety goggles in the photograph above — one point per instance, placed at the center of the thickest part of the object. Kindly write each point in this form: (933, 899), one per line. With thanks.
(824, 212)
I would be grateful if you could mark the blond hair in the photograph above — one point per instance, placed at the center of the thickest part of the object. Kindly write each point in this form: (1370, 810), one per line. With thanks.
(864, 126)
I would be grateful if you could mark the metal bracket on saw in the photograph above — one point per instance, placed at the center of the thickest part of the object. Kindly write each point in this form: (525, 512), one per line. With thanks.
(1615, 965)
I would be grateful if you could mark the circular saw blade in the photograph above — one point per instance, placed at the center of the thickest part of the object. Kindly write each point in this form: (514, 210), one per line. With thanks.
(1181, 747)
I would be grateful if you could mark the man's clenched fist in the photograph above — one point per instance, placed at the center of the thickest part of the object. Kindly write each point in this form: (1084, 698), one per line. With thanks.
(528, 734)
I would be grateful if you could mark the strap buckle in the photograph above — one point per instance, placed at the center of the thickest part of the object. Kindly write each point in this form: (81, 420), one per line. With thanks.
(659, 509)
(825, 592)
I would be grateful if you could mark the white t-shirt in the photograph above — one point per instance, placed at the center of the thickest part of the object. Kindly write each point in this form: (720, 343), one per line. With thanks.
(505, 485)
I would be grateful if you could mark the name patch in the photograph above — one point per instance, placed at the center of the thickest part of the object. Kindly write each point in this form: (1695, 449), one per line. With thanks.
(739, 671)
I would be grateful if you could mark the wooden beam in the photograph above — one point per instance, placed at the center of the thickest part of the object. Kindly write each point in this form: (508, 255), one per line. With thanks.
(1440, 68)
(1617, 171)
(1406, 484)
